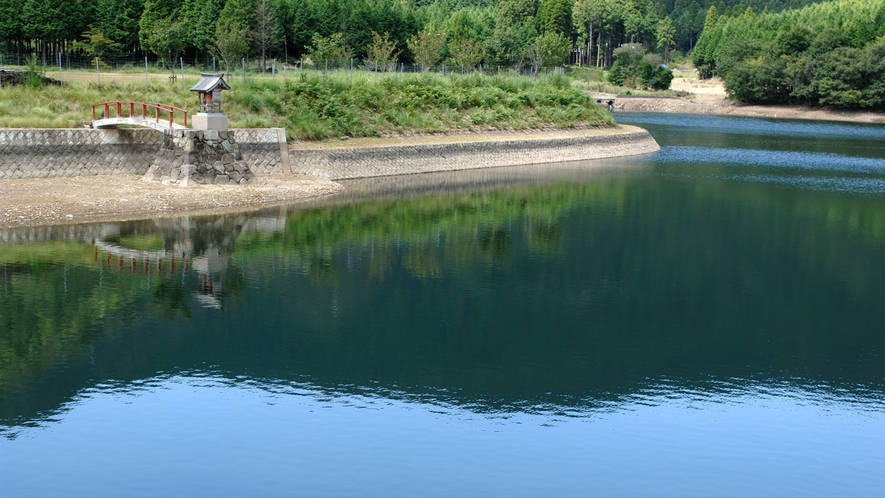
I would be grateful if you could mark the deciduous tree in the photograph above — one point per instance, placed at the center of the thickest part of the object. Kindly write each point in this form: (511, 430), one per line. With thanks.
(167, 40)
(595, 20)
(95, 44)
(265, 34)
(427, 46)
(549, 49)
(381, 54)
(328, 49)
(231, 42)
(465, 53)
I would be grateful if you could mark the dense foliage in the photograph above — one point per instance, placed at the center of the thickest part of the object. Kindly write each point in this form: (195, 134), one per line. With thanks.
(460, 32)
(316, 108)
(635, 68)
(825, 54)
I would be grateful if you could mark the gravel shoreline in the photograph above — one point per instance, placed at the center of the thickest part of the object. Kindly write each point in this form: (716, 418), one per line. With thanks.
(60, 201)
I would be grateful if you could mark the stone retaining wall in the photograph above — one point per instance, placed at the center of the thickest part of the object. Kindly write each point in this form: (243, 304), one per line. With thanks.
(364, 162)
(44, 153)
(264, 149)
(49, 153)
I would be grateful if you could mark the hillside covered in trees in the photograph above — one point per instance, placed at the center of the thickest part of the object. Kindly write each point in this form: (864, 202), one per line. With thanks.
(458, 32)
(831, 53)
(767, 51)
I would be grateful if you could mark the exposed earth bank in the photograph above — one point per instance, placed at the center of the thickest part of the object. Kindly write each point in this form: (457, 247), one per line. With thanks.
(56, 201)
(710, 98)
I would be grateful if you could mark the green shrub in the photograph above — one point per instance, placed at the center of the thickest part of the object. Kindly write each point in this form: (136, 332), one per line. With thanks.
(33, 72)
(635, 68)
(655, 77)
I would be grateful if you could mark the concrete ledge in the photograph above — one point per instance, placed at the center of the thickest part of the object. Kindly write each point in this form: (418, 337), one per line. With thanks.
(340, 163)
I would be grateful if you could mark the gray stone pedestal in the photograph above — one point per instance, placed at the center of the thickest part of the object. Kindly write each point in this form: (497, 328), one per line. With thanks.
(209, 121)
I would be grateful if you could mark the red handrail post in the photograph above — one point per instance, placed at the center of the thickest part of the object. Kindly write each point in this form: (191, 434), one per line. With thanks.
(93, 112)
(131, 109)
(119, 106)
(107, 110)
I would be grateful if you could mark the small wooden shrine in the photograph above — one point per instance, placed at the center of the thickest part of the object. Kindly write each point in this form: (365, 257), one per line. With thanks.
(209, 115)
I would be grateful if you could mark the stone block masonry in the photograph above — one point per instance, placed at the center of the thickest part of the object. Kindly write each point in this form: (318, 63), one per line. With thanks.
(49, 153)
(194, 157)
(341, 163)
(62, 152)
(264, 149)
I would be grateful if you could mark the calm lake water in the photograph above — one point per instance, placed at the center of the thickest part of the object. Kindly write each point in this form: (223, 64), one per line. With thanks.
(705, 321)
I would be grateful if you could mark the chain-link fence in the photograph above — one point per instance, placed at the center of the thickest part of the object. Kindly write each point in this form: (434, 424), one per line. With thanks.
(66, 67)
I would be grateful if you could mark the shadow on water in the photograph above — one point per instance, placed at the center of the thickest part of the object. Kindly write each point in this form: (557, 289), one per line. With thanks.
(537, 289)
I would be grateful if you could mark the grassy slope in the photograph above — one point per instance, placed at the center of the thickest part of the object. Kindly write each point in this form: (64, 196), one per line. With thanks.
(312, 106)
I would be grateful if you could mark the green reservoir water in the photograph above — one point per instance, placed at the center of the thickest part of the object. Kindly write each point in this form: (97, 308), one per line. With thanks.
(704, 321)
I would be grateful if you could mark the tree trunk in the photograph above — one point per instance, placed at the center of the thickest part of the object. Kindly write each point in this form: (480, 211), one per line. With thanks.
(598, 50)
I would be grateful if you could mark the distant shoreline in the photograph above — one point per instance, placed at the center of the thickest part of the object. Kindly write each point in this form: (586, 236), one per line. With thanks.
(730, 108)
(710, 98)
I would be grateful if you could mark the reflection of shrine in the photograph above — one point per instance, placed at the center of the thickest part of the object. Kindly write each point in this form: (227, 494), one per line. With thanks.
(160, 248)
(210, 267)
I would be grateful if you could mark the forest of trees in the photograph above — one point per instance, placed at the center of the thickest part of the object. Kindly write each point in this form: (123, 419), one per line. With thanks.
(830, 53)
(425, 32)
(767, 51)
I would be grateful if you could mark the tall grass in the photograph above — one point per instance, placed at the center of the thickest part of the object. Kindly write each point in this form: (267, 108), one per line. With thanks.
(316, 106)
(24, 107)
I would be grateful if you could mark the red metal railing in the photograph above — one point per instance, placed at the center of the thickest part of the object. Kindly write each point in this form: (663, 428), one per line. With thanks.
(139, 110)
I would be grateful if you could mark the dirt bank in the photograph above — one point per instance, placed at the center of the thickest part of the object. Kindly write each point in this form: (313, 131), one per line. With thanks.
(56, 201)
(710, 98)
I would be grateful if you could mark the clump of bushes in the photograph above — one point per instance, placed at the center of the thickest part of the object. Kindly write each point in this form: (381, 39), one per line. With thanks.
(636, 68)
(315, 106)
